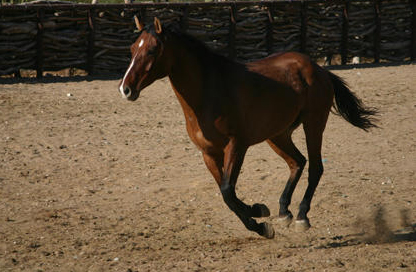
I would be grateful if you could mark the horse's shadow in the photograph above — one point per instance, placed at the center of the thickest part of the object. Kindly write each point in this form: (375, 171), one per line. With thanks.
(410, 236)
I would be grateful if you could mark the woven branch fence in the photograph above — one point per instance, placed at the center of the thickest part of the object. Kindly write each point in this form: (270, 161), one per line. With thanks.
(97, 38)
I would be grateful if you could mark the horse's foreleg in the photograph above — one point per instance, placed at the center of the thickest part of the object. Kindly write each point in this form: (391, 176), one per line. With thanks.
(233, 160)
(214, 163)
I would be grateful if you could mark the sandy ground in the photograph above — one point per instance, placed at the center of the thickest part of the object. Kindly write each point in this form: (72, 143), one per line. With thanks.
(91, 182)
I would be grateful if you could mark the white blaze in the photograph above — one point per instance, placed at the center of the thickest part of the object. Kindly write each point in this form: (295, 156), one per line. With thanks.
(128, 69)
(125, 75)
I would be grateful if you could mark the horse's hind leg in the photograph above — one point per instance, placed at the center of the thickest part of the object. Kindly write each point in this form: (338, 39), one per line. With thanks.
(283, 145)
(314, 129)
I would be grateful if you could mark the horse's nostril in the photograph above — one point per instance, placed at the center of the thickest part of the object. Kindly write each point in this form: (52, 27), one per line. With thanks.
(127, 91)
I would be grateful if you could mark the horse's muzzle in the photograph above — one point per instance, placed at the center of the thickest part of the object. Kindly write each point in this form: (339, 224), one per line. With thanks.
(128, 93)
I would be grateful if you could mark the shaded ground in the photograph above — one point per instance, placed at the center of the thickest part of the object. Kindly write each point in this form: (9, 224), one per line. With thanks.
(91, 182)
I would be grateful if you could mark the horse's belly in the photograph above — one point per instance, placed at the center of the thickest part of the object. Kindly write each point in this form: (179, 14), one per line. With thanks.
(267, 122)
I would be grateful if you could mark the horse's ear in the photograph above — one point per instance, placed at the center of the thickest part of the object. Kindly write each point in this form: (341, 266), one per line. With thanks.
(139, 25)
(158, 26)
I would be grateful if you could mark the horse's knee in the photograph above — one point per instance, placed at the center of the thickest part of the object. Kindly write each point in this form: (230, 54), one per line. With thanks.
(228, 193)
(301, 163)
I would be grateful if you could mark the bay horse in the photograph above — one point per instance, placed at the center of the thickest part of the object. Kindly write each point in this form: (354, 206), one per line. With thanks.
(230, 106)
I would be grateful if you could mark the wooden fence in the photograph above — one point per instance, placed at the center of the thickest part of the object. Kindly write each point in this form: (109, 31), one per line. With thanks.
(96, 38)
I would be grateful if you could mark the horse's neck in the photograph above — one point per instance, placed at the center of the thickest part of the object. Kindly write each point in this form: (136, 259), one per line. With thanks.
(187, 79)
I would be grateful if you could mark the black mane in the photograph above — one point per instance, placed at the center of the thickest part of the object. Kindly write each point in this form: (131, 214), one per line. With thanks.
(194, 44)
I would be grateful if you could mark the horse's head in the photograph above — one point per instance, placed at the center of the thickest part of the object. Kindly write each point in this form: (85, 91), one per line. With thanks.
(147, 60)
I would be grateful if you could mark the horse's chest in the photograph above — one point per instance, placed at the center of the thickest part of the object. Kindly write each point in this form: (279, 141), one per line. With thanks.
(208, 140)
(202, 142)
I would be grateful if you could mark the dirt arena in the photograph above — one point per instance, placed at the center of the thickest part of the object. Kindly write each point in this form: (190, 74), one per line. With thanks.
(91, 182)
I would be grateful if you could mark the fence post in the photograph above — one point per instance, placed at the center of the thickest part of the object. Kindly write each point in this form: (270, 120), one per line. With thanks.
(303, 26)
(91, 38)
(39, 43)
(269, 33)
(413, 39)
(231, 34)
(377, 33)
(345, 28)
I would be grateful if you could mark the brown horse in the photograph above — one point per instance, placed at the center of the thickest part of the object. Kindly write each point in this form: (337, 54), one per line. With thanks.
(230, 106)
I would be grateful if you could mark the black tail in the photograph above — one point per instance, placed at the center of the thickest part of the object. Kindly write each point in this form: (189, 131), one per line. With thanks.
(350, 107)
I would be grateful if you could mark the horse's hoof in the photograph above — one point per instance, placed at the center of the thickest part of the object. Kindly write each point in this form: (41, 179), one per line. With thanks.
(260, 210)
(302, 225)
(268, 230)
(285, 221)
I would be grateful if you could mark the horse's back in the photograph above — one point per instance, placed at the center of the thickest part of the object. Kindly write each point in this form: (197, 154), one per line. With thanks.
(301, 73)
(294, 69)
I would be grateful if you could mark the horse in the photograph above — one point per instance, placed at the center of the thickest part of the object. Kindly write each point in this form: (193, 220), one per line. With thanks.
(230, 106)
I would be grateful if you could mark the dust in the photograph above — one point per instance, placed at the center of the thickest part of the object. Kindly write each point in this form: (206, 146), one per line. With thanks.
(378, 228)
(382, 232)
